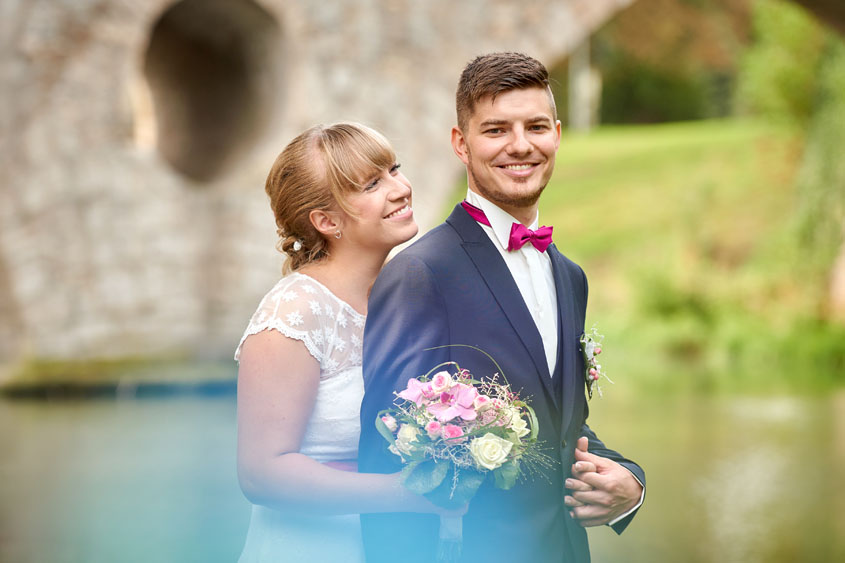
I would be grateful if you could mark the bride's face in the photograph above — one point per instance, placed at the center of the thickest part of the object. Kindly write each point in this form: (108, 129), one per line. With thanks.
(384, 217)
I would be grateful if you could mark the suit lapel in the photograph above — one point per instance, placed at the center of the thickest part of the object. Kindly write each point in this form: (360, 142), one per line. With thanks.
(496, 275)
(567, 361)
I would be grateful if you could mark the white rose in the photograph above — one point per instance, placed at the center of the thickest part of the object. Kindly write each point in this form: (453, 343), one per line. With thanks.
(519, 426)
(490, 451)
(405, 436)
(508, 415)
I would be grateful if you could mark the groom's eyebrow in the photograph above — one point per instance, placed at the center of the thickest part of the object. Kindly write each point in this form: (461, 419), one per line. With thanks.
(488, 122)
(536, 119)
(540, 119)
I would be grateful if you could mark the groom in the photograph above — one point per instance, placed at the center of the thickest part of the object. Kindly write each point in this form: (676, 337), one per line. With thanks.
(482, 279)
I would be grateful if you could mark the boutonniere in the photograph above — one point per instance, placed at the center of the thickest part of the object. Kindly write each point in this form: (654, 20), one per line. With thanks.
(591, 348)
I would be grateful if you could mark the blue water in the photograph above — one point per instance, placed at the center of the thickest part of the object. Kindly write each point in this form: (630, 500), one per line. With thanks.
(120, 480)
(730, 479)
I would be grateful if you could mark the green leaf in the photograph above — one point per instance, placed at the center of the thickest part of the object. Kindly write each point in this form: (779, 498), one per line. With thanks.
(382, 428)
(505, 475)
(535, 426)
(495, 363)
(468, 482)
(422, 477)
(429, 372)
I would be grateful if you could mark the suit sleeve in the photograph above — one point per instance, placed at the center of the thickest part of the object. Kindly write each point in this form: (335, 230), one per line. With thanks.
(597, 447)
(406, 315)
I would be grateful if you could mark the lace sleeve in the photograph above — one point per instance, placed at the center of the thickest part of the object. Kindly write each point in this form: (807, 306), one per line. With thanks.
(290, 309)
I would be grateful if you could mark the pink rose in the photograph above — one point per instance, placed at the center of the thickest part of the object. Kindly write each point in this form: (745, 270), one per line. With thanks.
(433, 429)
(441, 381)
(481, 403)
(390, 422)
(452, 432)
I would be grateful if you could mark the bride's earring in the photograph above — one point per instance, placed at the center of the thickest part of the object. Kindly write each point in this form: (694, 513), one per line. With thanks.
(338, 234)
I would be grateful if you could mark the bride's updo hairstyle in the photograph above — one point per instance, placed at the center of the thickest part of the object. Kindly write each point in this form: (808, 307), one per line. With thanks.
(317, 171)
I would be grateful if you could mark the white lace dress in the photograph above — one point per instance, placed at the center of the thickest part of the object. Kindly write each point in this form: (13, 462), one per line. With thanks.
(303, 309)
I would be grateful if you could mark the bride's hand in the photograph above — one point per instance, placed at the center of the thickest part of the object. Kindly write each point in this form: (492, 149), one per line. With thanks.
(418, 503)
(455, 512)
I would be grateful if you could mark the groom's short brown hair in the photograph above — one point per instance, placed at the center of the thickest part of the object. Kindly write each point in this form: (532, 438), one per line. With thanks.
(495, 73)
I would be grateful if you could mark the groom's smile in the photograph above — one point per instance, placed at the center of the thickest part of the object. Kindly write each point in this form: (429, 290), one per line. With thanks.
(521, 170)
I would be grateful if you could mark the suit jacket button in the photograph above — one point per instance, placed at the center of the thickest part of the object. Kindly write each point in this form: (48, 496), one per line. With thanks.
(563, 443)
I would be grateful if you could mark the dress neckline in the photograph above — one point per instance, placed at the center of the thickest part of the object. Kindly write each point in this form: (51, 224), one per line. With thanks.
(329, 291)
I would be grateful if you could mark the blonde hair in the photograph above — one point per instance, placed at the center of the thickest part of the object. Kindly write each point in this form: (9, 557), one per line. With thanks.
(317, 171)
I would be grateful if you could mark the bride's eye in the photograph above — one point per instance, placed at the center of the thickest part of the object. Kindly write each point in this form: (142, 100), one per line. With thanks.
(394, 169)
(372, 184)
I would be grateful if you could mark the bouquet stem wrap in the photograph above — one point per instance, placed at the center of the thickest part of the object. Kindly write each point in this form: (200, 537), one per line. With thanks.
(450, 541)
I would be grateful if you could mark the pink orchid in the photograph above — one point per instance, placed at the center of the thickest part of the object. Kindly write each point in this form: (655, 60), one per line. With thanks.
(416, 391)
(457, 402)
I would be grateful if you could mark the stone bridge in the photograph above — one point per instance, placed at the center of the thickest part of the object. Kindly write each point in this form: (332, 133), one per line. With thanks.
(135, 138)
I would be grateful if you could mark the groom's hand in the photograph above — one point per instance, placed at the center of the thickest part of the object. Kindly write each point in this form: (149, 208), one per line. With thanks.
(601, 489)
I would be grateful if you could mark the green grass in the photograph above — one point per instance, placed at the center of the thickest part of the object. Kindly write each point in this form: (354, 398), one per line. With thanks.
(688, 235)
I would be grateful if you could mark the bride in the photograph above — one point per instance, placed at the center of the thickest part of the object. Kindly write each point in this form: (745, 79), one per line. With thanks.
(341, 204)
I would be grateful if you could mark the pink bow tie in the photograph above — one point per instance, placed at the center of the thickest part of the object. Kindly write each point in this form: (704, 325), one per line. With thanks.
(520, 234)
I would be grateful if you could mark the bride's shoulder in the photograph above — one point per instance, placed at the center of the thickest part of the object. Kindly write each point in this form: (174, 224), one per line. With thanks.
(294, 308)
(291, 288)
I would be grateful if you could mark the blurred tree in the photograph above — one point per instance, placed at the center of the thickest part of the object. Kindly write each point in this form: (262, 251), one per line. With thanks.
(830, 11)
(795, 70)
(780, 71)
(821, 180)
(669, 60)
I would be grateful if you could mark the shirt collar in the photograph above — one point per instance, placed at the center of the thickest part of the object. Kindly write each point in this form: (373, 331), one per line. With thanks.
(500, 220)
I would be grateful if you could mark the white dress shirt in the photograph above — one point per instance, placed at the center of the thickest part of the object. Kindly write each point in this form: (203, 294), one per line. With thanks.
(532, 272)
(530, 269)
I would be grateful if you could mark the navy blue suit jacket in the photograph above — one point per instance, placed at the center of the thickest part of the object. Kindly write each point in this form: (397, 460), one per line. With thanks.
(452, 287)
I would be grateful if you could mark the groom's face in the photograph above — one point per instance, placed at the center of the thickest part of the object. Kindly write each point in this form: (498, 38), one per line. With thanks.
(508, 146)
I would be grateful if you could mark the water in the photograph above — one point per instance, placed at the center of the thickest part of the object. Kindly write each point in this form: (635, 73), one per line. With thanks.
(126, 480)
(730, 479)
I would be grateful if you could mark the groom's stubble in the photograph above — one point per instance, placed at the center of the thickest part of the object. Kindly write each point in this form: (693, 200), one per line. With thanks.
(503, 199)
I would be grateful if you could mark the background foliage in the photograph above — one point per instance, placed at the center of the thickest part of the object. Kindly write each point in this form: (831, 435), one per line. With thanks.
(710, 244)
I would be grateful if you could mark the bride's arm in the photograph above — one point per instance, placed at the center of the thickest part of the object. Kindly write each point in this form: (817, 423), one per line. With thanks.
(277, 387)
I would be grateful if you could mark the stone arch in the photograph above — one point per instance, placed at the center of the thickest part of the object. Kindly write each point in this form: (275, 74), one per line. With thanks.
(212, 82)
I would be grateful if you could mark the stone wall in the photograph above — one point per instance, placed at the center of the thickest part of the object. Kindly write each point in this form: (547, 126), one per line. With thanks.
(135, 138)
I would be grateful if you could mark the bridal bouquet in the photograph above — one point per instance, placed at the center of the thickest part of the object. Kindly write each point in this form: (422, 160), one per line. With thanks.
(452, 432)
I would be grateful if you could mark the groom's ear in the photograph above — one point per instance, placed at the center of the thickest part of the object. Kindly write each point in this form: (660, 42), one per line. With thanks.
(326, 222)
(459, 144)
